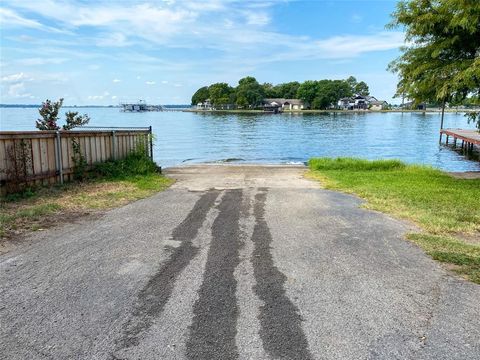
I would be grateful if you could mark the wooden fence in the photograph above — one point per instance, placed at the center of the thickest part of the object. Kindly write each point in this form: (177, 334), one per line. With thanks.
(48, 157)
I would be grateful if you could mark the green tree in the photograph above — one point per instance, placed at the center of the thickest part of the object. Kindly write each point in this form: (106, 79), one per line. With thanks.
(307, 91)
(249, 92)
(441, 62)
(270, 91)
(342, 89)
(288, 90)
(352, 82)
(362, 89)
(328, 93)
(200, 95)
(220, 93)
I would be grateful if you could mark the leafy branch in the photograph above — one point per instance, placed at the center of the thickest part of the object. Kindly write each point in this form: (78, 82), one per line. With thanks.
(49, 117)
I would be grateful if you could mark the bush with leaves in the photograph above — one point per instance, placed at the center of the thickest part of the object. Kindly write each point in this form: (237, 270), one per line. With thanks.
(74, 120)
(136, 163)
(49, 113)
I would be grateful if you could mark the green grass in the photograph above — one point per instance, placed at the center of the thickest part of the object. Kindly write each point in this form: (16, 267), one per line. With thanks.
(447, 209)
(110, 185)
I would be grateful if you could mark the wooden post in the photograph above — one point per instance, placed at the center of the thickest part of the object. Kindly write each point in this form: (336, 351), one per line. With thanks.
(114, 146)
(58, 156)
(151, 141)
(441, 122)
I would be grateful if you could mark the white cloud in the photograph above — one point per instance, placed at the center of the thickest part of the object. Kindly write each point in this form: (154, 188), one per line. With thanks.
(114, 97)
(16, 78)
(226, 40)
(257, 18)
(18, 91)
(113, 40)
(41, 61)
(10, 18)
(235, 29)
(348, 46)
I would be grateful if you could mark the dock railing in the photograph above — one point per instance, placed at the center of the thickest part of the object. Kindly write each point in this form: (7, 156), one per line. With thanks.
(49, 157)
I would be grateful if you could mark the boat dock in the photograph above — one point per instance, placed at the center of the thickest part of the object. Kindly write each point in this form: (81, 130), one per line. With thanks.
(140, 106)
(469, 138)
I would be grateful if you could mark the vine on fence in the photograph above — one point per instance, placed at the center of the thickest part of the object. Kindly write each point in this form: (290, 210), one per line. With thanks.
(19, 155)
(79, 162)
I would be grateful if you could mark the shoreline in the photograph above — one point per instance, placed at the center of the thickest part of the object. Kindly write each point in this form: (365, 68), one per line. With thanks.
(255, 111)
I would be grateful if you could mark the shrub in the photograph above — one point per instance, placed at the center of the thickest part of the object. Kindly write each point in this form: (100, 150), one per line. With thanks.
(49, 113)
(136, 163)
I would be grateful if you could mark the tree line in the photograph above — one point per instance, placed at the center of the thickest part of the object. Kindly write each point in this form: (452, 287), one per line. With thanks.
(249, 93)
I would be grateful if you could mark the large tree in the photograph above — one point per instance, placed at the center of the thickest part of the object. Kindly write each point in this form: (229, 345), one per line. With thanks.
(288, 90)
(270, 91)
(220, 93)
(249, 92)
(441, 61)
(362, 89)
(200, 95)
(307, 91)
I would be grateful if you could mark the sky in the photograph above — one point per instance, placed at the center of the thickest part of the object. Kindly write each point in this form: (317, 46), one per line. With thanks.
(107, 52)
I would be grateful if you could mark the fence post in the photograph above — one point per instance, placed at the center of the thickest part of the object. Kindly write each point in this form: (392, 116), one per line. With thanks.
(114, 146)
(58, 156)
(151, 141)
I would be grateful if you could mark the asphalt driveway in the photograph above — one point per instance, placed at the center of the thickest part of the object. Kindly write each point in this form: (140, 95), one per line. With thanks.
(234, 262)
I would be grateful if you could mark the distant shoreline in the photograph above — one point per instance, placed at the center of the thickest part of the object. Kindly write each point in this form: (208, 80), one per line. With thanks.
(36, 106)
(328, 111)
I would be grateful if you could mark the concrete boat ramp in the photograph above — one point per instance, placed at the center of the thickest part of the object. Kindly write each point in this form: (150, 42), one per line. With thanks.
(234, 262)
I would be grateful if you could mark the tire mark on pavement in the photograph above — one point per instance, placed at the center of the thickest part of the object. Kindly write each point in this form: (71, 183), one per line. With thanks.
(281, 329)
(213, 329)
(153, 297)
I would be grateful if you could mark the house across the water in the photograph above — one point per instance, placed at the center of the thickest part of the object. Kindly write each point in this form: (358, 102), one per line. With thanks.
(361, 102)
(378, 105)
(283, 104)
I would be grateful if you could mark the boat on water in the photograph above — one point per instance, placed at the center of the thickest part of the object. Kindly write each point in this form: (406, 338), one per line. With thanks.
(140, 106)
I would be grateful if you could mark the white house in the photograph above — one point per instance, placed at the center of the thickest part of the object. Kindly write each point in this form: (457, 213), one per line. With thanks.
(357, 102)
(285, 104)
(206, 105)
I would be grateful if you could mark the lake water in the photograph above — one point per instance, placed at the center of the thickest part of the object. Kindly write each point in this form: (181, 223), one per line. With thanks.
(183, 137)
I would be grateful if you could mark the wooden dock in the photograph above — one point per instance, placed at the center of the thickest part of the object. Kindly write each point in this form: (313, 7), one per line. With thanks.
(469, 138)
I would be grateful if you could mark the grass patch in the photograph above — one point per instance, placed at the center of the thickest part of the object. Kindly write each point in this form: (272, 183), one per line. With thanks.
(447, 209)
(109, 185)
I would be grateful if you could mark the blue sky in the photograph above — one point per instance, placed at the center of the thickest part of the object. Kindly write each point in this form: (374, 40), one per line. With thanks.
(105, 52)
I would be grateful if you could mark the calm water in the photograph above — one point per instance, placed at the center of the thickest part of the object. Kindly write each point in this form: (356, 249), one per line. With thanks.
(188, 137)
